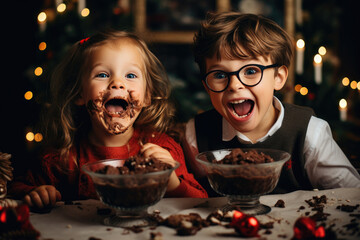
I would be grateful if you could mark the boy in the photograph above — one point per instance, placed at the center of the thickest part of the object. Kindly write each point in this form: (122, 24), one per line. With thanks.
(243, 58)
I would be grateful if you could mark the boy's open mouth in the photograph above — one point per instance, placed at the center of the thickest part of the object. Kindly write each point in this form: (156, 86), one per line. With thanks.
(241, 108)
(116, 105)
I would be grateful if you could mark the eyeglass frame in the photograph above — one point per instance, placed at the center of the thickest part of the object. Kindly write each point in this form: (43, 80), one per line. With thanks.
(237, 74)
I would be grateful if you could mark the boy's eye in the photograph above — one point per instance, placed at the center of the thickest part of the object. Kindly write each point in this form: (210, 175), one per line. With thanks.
(251, 70)
(219, 75)
(131, 75)
(102, 75)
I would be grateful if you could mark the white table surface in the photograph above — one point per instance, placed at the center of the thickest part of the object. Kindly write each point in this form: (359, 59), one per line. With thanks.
(82, 221)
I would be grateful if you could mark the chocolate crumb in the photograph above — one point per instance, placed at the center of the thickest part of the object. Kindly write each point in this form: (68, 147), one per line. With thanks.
(320, 216)
(135, 229)
(156, 236)
(267, 232)
(267, 225)
(215, 217)
(355, 215)
(347, 208)
(317, 201)
(280, 203)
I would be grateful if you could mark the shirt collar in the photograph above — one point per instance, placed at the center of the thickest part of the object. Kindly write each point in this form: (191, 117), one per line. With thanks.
(229, 132)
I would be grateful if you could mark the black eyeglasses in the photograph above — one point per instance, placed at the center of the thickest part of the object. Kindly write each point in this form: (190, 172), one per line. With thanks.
(249, 75)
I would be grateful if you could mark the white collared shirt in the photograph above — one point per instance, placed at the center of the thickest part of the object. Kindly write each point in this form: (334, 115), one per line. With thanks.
(325, 163)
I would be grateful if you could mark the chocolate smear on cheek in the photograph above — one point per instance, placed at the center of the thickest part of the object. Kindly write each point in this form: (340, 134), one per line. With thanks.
(134, 104)
(97, 106)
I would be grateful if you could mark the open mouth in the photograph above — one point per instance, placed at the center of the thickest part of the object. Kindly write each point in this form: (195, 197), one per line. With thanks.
(241, 108)
(116, 105)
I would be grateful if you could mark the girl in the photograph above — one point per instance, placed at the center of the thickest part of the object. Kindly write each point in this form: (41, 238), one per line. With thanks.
(110, 100)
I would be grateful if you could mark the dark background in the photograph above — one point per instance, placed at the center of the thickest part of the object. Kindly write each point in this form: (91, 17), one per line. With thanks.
(19, 50)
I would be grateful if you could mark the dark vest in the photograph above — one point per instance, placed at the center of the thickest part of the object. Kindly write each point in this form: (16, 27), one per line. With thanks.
(290, 138)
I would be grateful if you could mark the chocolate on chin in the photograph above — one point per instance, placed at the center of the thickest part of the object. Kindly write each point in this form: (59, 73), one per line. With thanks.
(137, 191)
(246, 180)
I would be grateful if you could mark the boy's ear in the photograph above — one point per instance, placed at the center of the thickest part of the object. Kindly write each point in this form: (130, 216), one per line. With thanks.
(281, 77)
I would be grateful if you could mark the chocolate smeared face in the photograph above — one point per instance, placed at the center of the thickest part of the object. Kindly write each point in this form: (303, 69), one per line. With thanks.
(115, 113)
(114, 90)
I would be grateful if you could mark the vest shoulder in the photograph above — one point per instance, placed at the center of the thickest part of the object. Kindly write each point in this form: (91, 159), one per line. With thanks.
(298, 109)
(207, 114)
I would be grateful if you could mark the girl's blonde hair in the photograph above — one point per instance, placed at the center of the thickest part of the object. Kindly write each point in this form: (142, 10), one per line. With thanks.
(67, 122)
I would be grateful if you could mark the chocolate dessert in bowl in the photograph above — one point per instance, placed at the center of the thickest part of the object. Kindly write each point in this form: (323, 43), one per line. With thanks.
(130, 186)
(243, 175)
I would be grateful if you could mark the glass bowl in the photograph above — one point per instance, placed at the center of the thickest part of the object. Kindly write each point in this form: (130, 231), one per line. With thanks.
(243, 184)
(129, 194)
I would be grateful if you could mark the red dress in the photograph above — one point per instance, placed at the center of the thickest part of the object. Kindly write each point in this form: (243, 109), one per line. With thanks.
(74, 184)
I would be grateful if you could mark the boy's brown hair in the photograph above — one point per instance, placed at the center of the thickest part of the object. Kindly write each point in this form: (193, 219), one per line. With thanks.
(243, 36)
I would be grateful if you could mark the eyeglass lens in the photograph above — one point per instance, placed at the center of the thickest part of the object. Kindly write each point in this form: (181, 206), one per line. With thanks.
(219, 80)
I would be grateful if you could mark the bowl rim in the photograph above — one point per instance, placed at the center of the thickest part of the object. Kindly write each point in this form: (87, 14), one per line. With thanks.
(243, 165)
(112, 176)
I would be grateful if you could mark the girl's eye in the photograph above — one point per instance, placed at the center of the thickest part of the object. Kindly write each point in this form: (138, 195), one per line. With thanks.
(102, 75)
(131, 75)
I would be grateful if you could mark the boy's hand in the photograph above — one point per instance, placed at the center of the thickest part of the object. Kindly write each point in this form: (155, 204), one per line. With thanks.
(155, 151)
(42, 197)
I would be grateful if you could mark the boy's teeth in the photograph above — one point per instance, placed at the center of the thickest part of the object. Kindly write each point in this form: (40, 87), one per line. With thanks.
(242, 108)
(242, 116)
(237, 102)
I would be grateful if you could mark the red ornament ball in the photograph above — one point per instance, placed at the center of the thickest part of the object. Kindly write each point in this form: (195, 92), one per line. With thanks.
(305, 228)
(245, 225)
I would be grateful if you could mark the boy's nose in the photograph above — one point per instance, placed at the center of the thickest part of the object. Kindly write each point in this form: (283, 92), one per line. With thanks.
(117, 83)
(235, 83)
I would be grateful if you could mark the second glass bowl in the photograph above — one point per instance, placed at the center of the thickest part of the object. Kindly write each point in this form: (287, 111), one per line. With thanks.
(243, 184)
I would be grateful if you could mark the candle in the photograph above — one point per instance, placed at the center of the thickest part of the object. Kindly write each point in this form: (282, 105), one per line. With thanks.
(322, 50)
(58, 2)
(318, 68)
(298, 12)
(300, 48)
(42, 21)
(343, 110)
(81, 5)
(61, 8)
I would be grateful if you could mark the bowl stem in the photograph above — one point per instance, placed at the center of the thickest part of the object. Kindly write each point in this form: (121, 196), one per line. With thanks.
(247, 204)
(126, 219)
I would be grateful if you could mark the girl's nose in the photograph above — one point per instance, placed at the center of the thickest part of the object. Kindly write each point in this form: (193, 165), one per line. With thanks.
(117, 83)
(235, 83)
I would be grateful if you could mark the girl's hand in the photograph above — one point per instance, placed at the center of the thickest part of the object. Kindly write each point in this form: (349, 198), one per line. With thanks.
(155, 151)
(43, 196)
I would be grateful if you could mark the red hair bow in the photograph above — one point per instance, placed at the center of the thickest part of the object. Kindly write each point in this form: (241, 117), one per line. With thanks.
(84, 40)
